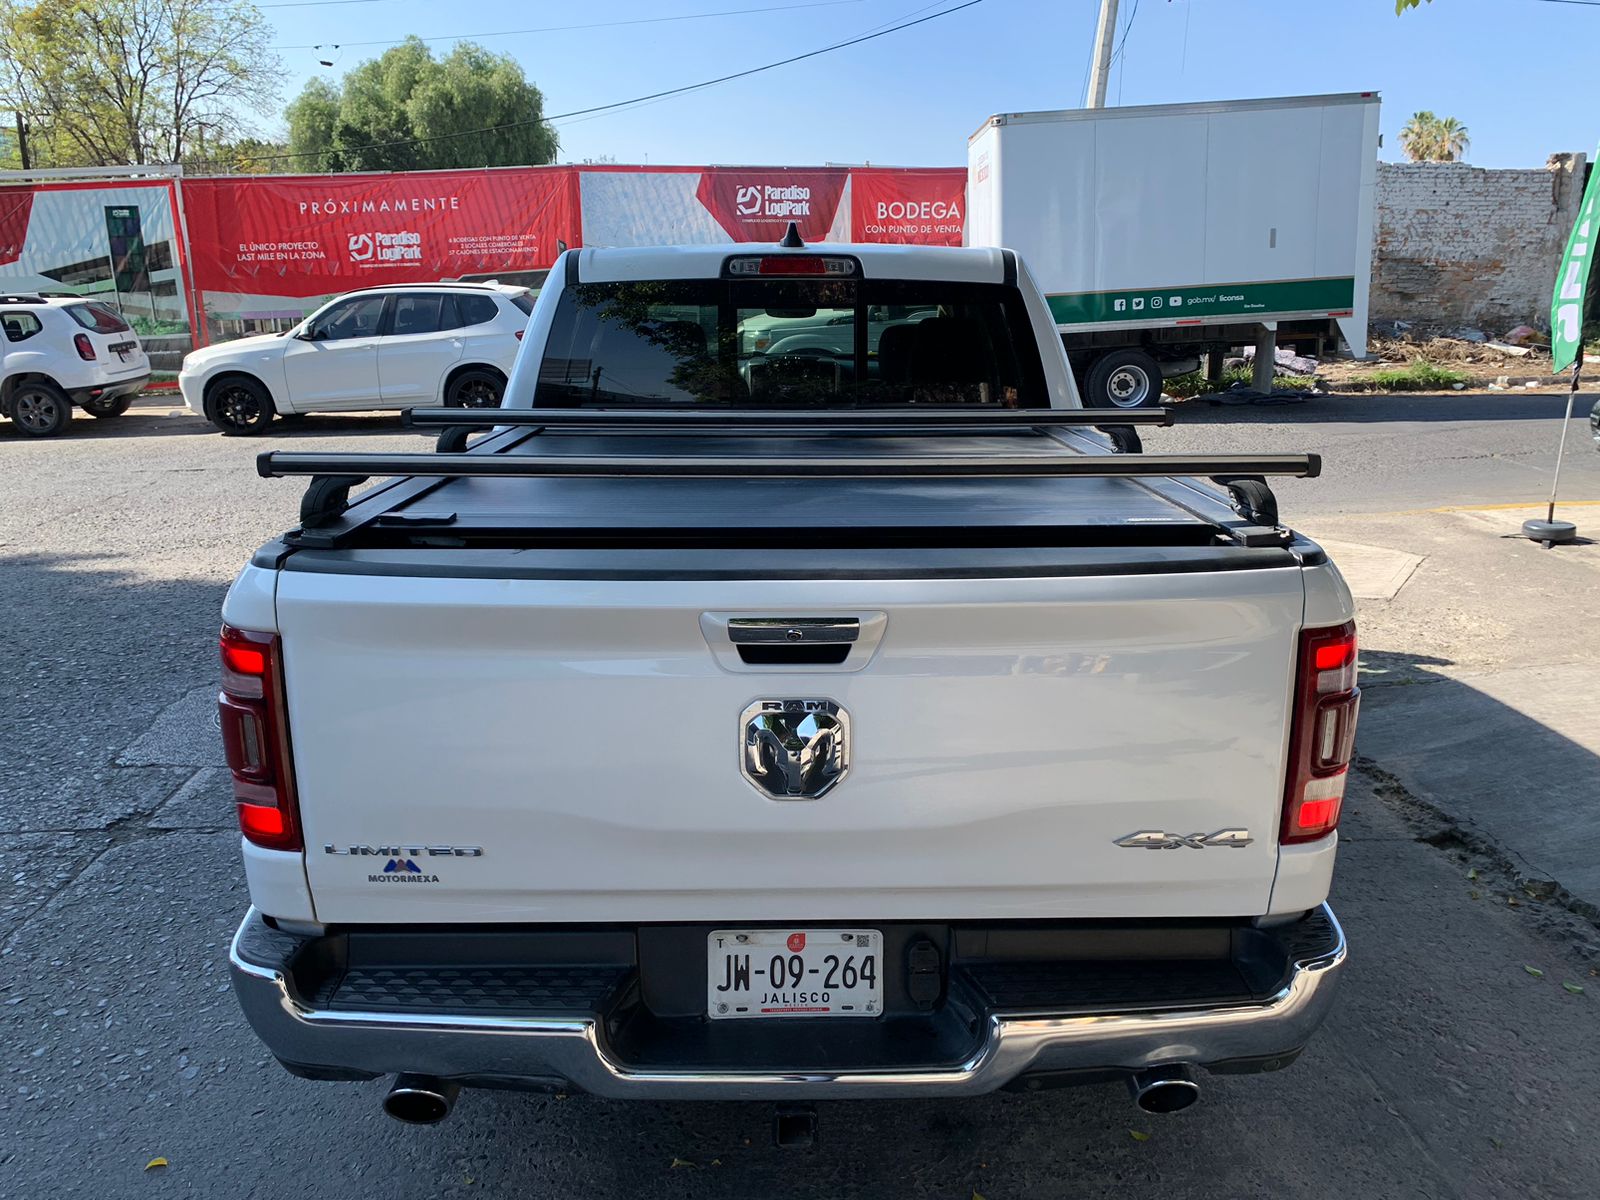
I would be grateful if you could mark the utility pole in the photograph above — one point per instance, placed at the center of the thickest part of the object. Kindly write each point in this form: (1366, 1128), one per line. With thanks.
(1100, 70)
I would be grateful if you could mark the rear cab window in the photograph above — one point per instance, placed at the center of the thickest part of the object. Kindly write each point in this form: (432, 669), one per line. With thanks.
(98, 318)
(786, 342)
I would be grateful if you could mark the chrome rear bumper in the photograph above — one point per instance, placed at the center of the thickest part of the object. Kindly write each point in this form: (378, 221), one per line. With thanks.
(573, 1051)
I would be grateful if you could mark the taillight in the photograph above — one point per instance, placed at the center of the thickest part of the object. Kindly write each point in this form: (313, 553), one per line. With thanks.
(792, 264)
(1323, 736)
(519, 333)
(85, 347)
(255, 738)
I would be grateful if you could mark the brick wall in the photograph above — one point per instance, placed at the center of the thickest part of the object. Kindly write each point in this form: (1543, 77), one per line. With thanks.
(1458, 245)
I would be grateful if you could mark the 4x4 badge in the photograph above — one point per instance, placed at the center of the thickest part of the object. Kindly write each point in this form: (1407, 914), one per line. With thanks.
(1156, 839)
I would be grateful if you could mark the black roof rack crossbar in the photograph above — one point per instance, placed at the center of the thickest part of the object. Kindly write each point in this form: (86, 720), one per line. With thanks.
(279, 464)
(705, 420)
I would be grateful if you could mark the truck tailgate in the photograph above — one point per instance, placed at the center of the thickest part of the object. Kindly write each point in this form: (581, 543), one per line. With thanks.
(584, 736)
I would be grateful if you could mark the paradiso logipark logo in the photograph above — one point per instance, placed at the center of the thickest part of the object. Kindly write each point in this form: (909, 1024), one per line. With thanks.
(404, 246)
(788, 201)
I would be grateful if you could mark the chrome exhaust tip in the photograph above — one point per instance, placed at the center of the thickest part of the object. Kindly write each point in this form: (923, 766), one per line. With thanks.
(1164, 1089)
(420, 1099)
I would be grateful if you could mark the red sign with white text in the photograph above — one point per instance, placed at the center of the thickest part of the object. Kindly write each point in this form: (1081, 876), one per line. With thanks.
(757, 206)
(923, 208)
(315, 235)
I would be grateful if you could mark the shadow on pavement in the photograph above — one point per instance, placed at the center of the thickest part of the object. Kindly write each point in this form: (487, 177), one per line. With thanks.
(104, 650)
(176, 421)
(1380, 668)
(1526, 790)
(133, 424)
(1353, 408)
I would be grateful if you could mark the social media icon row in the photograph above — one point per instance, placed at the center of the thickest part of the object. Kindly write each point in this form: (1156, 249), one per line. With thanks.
(1121, 304)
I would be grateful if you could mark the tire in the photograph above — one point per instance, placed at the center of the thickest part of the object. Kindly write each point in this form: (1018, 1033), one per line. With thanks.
(239, 406)
(476, 387)
(114, 407)
(40, 409)
(1124, 379)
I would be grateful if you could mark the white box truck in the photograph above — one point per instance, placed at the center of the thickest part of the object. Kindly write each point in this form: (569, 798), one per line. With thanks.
(1163, 233)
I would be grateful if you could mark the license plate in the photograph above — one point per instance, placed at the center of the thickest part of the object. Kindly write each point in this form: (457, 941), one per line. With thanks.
(125, 355)
(794, 973)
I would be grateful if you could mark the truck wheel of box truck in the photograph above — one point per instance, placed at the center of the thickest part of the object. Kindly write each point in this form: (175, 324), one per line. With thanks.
(1124, 379)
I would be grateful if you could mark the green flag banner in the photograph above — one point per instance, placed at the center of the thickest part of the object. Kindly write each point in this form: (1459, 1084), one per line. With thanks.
(1572, 280)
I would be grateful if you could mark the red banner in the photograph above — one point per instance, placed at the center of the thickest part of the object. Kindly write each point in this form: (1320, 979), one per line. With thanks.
(925, 208)
(757, 206)
(15, 206)
(315, 235)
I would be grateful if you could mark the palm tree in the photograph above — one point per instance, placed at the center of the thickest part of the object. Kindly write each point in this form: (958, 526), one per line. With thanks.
(1453, 139)
(1428, 138)
(1419, 137)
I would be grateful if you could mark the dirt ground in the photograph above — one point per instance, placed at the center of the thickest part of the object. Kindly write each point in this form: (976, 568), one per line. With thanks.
(1481, 363)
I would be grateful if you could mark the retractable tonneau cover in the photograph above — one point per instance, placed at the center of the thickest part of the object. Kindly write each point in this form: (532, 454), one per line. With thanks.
(893, 481)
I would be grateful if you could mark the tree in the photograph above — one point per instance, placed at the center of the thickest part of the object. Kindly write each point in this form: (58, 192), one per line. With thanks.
(407, 111)
(120, 82)
(239, 156)
(1427, 138)
(1401, 5)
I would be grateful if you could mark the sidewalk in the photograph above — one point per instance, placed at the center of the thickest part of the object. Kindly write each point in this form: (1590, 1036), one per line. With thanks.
(1481, 676)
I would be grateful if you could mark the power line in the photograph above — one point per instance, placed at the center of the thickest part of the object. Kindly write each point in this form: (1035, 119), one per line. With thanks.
(902, 16)
(1126, 30)
(694, 87)
(1088, 66)
(647, 102)
(678, 91)
(454, 37)
(1121, 46)
(317, 3)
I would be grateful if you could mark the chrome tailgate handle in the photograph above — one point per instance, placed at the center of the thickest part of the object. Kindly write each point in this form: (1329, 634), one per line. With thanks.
(793, 631)
(746, 642)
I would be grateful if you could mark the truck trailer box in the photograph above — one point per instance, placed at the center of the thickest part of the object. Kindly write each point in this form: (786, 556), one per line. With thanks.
(1174, 228)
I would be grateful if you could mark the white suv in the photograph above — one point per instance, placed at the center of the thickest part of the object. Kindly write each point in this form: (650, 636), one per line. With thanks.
(64, 351)
(385, 347)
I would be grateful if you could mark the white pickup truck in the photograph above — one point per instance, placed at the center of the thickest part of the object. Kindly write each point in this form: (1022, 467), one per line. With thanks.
(852, 718)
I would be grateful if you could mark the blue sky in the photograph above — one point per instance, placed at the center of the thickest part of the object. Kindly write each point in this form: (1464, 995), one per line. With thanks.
(1518, 73)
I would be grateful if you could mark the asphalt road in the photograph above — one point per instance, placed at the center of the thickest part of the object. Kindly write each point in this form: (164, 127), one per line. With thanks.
(1404, 452)
(1447, 1069)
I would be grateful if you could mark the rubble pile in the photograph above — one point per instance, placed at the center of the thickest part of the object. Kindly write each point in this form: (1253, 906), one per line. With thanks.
(1517, 358)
